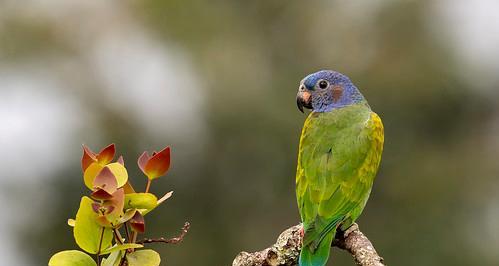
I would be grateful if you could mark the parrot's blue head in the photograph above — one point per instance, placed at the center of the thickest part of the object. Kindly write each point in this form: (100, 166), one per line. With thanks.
(326, 90)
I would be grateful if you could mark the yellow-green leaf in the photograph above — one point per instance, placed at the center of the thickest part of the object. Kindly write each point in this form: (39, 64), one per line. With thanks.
(90, 173)
(119, 172)
(161, 200)
(140, 201)
(71, 222)
(127, 216)
(71, 258)
(87, 232)
(146, 257)
(121, 247)
(113, 259)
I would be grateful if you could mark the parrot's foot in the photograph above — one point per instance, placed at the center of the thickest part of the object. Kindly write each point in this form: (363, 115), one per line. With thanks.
(343, 233)
(302, 232)
(350, 229)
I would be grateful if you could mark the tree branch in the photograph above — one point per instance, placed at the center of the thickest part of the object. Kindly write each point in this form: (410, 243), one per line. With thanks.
(174, 240)
(286, 250)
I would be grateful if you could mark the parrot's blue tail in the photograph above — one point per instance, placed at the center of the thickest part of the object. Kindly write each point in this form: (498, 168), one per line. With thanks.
(319, 256)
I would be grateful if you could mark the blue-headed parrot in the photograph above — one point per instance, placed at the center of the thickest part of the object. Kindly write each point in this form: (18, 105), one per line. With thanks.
(339, 154)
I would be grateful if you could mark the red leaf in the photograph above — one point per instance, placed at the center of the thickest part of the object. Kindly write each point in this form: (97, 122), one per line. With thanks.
(101, 194)
(87, 158)
(137, 223)
(109, 209)
(117, 201)
(106, 180)
(96, 207)
(106, 155)
(158, 164)
(121, 161)
(142, 161)
(102, 209)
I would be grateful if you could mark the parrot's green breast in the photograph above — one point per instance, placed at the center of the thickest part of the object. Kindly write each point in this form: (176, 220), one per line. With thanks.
(339, 155)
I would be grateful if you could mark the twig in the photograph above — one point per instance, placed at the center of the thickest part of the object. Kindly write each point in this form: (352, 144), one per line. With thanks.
(100, 246)
(174, 240)
(127, 232)
(123, 259)
(117, 236)
(286, 250)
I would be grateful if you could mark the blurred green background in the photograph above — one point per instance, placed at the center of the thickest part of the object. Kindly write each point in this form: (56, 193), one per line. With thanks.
(217, 81)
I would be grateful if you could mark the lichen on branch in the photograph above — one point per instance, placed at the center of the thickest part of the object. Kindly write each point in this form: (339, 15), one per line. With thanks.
(286, 250)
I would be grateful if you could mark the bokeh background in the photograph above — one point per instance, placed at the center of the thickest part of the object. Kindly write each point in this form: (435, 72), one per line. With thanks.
(217, 81)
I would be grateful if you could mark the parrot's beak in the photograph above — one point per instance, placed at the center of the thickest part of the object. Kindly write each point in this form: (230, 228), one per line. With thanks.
(303, 99)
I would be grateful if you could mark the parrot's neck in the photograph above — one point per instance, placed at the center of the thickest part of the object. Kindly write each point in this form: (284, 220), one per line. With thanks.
(362, 104)
(344, 115)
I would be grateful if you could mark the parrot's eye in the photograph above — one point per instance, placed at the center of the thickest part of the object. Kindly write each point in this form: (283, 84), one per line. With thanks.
(323, 84)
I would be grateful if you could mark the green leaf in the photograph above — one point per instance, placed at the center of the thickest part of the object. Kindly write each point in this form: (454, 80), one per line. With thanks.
(87, 232)
(146, 257)
(145, 201)
(113, 259)
(71, 258)
(127, 216)
(161, 200)
(121, 247)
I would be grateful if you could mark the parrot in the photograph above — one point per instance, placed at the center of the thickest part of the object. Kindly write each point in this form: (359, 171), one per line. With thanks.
(338, 157)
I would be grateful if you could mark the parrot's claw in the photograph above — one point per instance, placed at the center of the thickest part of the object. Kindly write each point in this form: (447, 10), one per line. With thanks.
(348, 230)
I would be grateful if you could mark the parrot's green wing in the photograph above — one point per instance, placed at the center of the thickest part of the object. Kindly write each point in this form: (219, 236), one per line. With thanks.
(339, 155)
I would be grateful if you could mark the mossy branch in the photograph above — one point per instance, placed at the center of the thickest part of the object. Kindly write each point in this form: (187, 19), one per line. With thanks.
(286, 250)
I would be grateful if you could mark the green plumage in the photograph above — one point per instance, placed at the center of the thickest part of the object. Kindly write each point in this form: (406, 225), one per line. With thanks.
(338, 158)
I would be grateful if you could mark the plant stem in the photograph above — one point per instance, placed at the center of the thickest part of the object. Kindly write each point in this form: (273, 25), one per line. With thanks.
(100, 245)
(117, 236)
(132, 240)
(123, 259)
(127, 233)
(148, 185)
(134, 236)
